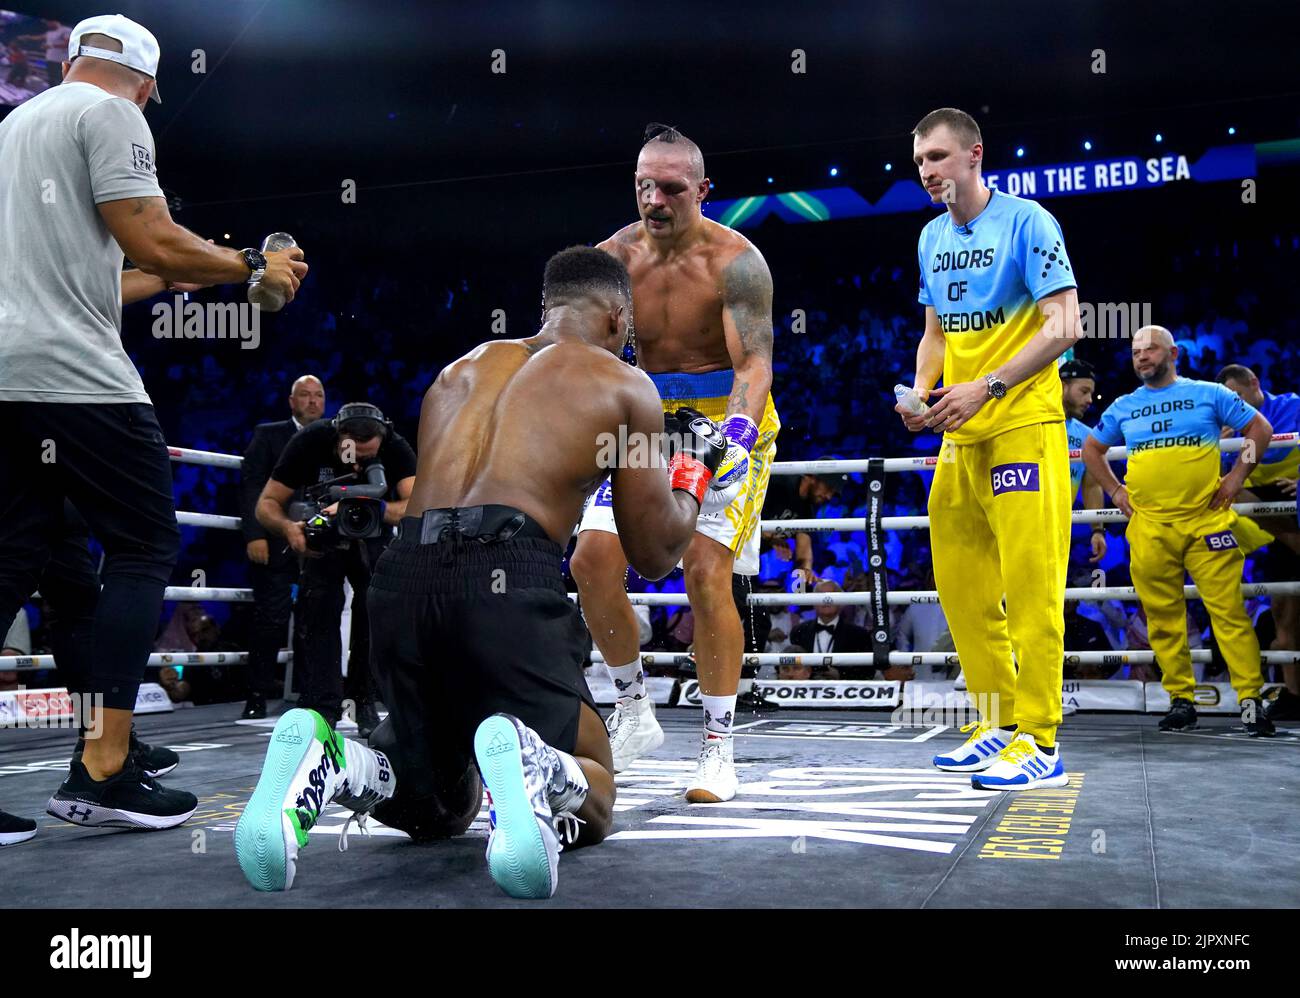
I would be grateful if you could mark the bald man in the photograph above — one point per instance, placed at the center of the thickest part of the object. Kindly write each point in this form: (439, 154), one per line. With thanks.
(1181, 519)
(273, 569)
(703, 302)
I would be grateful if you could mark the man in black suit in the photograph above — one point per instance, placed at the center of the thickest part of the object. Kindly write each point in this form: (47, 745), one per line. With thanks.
(827, 633)
(1085, 634)
(273, 567)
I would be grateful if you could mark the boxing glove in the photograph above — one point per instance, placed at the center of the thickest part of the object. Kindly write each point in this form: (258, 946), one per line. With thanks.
(695, 447)
(733, 474)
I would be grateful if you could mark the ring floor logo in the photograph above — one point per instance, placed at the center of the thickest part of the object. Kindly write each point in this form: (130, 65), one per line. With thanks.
(920, 810)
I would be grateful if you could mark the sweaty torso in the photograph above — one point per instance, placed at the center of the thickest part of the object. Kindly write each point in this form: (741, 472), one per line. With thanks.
(677, 300)
(516, 423)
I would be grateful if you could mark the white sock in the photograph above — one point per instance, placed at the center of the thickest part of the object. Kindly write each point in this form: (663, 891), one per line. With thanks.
(719, 713)
(368, 777)
(566, 791)
(628, 679)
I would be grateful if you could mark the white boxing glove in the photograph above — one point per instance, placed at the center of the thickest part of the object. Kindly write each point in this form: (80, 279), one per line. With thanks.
(732, 476)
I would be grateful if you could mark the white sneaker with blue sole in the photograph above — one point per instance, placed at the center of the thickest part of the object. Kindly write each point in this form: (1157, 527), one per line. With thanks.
(1022, 765)
(523, 851)
(978, 752)
(299, 777)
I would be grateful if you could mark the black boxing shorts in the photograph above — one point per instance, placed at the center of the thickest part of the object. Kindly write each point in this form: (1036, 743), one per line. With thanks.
(469, 616)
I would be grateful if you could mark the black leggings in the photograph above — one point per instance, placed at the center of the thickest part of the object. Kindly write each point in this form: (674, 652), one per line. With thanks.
(111, 462)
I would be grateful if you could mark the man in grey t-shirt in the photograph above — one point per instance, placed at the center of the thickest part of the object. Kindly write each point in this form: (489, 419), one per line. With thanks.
(79, 190)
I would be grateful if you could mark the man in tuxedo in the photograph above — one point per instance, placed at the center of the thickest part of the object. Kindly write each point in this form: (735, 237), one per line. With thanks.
(273, 568)
(827, 633)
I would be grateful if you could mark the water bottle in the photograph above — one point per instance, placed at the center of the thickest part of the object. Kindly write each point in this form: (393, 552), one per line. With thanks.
(909, 400)
(268, 299)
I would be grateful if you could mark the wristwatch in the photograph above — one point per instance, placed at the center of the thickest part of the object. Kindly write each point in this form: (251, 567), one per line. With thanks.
(255, 262)
(997, 387)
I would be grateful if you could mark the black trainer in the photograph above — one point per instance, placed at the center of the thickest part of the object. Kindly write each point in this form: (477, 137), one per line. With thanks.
(154, 760)
(753, 700)
(1181, 716)
(1285, 708)
(14, 829)
(1255, 719)
(130, 799)
(255, 708)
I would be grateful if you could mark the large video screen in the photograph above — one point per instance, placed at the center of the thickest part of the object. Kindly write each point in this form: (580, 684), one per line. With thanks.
(32, 50)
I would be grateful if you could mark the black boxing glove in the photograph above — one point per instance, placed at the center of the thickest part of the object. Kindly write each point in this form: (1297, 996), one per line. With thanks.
(695, 447)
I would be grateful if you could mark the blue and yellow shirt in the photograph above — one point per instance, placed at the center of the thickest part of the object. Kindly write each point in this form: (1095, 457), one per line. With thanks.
(1172, 436)
(1283, 414)
(983, 280)
(1077, 431)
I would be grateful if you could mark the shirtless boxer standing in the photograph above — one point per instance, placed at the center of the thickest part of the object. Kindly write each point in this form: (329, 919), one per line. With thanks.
(478, 650)
(703, 299)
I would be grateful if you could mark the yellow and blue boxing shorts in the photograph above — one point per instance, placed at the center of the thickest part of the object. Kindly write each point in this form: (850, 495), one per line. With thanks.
(737, 526)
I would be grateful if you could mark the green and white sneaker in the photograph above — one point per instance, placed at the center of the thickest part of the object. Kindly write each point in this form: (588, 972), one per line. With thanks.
(534, 793)
(307, 767)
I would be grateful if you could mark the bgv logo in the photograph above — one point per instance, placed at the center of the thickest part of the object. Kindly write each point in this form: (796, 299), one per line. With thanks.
(1221, 541)
(1015, 478)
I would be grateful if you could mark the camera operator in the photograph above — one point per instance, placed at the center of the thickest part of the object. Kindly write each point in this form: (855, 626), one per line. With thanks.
(356, 474)
(273, 569)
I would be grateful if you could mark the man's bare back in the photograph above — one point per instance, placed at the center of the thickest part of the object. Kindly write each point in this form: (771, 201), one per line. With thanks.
(529, 424)
(516, 423)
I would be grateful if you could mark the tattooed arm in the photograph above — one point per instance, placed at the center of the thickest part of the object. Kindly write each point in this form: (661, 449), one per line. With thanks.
(747, 325)
(143, 227)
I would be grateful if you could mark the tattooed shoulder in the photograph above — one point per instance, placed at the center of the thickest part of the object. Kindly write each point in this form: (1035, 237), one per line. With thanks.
(747, 296)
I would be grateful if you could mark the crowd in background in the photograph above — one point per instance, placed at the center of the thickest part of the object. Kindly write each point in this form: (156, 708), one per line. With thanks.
(842, 341)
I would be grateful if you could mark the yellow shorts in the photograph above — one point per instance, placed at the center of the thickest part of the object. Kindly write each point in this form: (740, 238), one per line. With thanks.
(737, 526)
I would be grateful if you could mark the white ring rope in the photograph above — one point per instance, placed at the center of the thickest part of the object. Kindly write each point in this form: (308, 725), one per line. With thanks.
(213, 520)
(933, 658)
(849, 523)
(856, 523)
(32, 663)
(1284, 441)
(1094, 593)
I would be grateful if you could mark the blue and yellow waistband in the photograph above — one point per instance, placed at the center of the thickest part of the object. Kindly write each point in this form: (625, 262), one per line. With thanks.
(710, 393)
(674, 386)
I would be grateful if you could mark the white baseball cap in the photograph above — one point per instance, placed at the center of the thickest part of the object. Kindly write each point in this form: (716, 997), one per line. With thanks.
(139, 47)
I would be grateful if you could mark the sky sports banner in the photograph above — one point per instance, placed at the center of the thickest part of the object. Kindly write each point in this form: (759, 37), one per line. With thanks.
(1098, 176)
